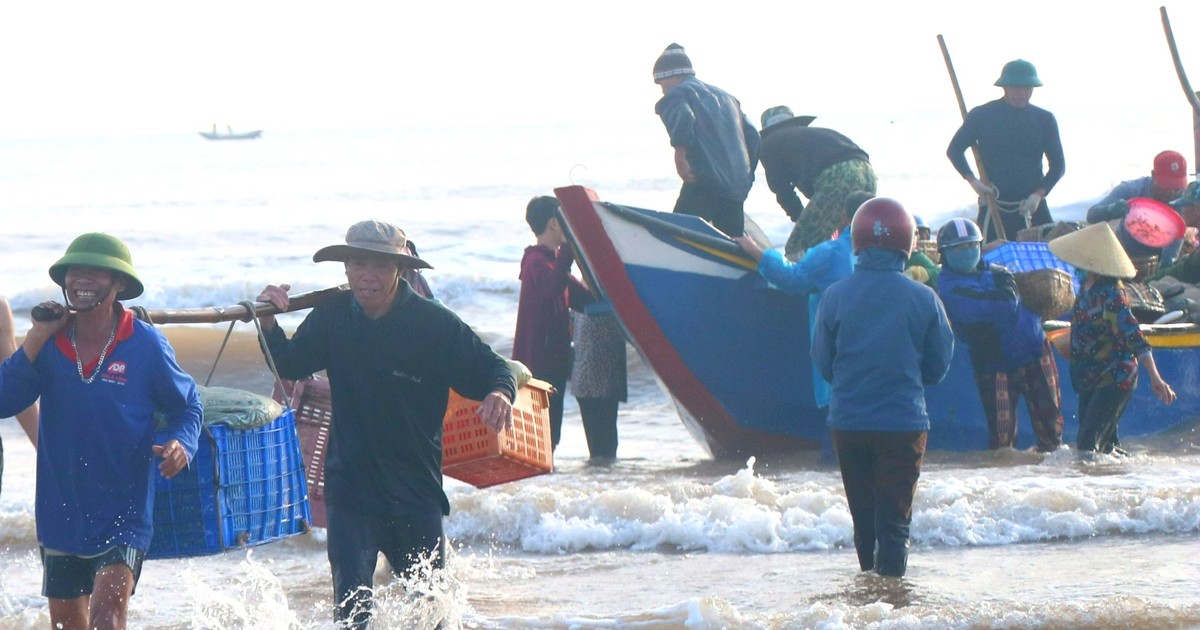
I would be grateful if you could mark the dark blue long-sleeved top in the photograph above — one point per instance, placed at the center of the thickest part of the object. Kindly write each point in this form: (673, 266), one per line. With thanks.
(1012, 142)
(390, 380)
(985, 308)
(879, 339)
(95, 465)
(721, 142)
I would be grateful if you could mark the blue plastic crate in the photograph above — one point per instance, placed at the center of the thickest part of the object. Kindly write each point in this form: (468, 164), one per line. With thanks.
(244, 488)
(1023, 256)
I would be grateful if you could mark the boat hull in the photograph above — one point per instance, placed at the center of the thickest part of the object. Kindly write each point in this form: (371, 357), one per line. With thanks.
(733, 352)
(247, 135)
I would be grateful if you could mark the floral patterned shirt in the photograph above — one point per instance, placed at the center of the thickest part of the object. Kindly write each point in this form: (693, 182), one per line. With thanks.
(1105, 338)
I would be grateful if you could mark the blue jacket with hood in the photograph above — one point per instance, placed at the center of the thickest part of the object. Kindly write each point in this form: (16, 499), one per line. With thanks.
(721, 142)
(985, 308)
(880, 338)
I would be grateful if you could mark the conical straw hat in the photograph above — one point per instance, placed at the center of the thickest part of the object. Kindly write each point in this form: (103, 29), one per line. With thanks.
(1095, 248)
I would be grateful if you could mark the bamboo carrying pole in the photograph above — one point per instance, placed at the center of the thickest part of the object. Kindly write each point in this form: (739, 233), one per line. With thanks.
(990, 200)
(236, 312)
(1192, 96)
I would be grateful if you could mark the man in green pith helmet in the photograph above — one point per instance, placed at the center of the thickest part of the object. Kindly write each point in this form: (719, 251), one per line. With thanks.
(1013, 138)
(102, 375)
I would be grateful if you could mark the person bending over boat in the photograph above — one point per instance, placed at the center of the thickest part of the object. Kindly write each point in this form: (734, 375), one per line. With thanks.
(101, 375)
(878, 362)
(716, 146)
(1009, 350)
(823, 164)
(1106, 341)
(820, 267)
(1166, 182)
(1013, 137)
(542, 340)
(391, 357)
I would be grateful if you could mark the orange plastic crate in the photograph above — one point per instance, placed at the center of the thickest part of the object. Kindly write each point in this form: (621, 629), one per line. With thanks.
(473, 453)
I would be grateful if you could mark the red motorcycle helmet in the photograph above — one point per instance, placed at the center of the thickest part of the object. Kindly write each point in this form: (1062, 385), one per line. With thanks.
(883, 222)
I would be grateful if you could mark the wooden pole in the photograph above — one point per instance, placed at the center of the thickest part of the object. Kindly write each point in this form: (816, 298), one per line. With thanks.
(239, 312)
(1192, 97)
(990, 200)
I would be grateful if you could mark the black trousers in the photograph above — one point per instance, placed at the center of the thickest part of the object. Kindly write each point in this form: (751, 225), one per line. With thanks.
(1100, 412)
(879, 472)
(724, 213)
(600, 425)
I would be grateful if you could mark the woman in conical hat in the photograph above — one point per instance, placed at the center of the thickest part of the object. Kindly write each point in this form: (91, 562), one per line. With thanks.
(1106, 342)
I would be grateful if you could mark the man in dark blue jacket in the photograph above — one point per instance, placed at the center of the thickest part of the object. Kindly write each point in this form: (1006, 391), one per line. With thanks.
(1013, 138)
(391, 357)
(716, 146)
(878, 361)
(1009, 350)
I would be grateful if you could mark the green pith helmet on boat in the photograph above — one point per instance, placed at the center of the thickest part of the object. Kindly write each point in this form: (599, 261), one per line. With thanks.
(104, 251)
(1019, 73)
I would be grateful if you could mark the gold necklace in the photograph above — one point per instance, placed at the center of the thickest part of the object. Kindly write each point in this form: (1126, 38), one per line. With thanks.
(87, 380)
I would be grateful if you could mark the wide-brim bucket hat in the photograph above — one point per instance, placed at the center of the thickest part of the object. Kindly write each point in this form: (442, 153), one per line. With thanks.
(372, 238)
(1095, 248)
(103, 251)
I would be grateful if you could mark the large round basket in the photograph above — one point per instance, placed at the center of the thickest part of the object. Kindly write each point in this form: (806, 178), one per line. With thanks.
(1047, 292)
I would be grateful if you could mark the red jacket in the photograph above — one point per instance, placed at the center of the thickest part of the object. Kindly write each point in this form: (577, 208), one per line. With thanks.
(543, 337)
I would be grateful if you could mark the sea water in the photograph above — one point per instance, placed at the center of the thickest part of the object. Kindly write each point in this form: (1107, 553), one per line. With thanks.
(663, 538)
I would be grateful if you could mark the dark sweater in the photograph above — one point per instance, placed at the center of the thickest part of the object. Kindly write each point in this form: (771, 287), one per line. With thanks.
(390, 380)
(793, 157)
(1012, 142)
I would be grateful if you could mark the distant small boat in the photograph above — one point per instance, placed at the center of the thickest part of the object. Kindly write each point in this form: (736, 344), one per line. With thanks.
(230, 135)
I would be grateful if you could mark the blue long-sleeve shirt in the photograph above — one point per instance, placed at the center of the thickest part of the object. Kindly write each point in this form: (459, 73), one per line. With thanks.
(986, 310)
(95, 465)
(1012, 142)
(820, 267)
(722, 144)
(879, 339)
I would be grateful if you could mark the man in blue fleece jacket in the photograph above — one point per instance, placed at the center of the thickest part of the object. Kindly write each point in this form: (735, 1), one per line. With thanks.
(880, 339)
(101, 375)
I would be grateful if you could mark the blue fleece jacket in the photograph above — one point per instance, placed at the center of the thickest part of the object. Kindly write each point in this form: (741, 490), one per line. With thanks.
(95, 465)
(879, 339)
(986, 310)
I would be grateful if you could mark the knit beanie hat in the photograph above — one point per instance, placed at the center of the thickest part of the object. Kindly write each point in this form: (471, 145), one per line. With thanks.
(672, 62)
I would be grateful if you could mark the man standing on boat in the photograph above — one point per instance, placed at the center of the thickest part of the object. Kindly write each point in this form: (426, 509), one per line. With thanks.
(716, 145)
(391, 357)
(1013, 137)
(823, 164)
(878, 367)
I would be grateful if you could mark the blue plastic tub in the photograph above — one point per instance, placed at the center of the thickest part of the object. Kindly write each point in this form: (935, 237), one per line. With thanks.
(244, 488)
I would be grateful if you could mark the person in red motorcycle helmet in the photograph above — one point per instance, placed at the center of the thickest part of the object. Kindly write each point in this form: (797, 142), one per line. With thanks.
(879, 339)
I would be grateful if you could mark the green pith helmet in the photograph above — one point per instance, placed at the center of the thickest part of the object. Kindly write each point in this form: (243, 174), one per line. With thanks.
(103, 251)
(1019, 73)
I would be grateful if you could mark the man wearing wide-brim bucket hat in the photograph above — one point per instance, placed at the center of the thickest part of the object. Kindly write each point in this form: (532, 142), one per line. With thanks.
(391, 357)
(1106, 342)
(1013, 137)
(102, 375)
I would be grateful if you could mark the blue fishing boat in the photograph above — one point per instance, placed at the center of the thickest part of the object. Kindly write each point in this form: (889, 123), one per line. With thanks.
(732, 352)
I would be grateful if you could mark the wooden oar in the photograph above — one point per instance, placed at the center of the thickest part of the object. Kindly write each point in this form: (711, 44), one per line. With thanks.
(239, 312)
(1192, 96)
(992, 205)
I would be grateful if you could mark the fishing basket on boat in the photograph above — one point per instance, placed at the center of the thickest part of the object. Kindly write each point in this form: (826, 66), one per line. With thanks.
(1048, 292)
(1034, 234)
(1146, 266)
(246, 484)
(1145, 301)
(471, 452)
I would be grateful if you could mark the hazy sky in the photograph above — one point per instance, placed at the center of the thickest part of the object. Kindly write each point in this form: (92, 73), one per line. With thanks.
(150, 67)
